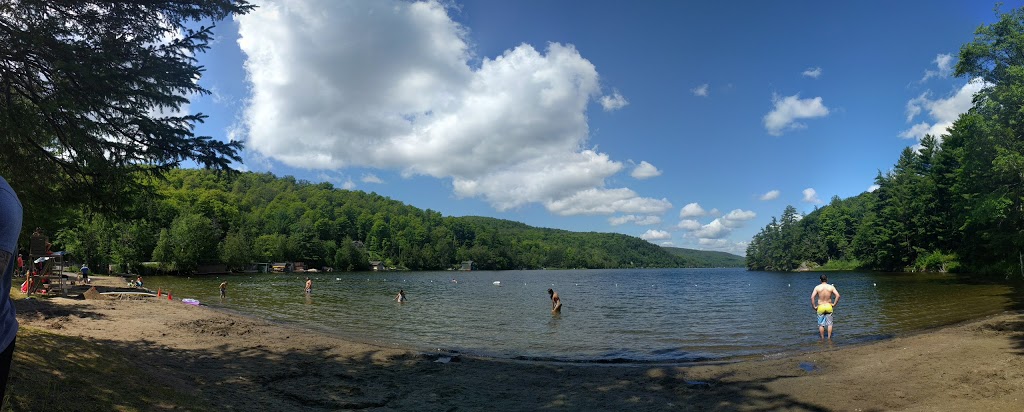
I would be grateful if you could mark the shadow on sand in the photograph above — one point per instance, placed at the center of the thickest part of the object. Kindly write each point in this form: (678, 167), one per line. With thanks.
(244, 377)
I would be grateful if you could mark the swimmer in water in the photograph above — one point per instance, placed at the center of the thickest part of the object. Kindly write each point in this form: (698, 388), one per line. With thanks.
(556, 302)
(401, 296)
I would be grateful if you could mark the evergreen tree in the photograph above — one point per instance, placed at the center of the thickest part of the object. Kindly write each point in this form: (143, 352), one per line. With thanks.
(91, 93)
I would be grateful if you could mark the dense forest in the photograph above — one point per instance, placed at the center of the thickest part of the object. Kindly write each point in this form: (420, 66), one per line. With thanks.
(954, 202)
(193, 217)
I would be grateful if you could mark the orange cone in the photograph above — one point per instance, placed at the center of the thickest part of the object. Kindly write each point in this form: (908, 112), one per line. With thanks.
(169, 296)
(158, 292)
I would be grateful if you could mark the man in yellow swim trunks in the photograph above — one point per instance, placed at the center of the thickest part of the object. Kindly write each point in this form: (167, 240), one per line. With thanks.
(821, 301)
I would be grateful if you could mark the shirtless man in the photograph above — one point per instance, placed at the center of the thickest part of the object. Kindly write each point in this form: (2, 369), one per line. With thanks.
(223, 289)
(556, 303)
(821, 301)
(309, 286)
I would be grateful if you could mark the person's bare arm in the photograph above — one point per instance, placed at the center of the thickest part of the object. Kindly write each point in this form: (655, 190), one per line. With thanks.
(813, 302)
(836, 292)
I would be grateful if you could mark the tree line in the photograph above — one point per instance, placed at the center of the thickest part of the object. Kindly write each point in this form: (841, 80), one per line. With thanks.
(954, 202)
(191, 217)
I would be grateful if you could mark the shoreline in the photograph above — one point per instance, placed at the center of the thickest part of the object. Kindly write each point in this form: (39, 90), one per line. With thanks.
(237, 362)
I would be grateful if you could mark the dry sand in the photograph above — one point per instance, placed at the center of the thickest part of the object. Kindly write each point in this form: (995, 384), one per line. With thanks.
(244, 364)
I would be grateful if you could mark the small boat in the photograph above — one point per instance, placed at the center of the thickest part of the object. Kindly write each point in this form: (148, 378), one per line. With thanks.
(497, 283)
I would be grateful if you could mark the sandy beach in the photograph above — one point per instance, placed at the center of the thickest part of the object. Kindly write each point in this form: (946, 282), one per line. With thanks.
(239, 363)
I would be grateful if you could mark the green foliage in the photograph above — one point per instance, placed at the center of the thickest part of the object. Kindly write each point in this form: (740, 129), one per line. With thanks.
(201, 217)
(236, 251)
(192, 239)
(838, 265)
(937, 262)
(955, 203)
(91, 98)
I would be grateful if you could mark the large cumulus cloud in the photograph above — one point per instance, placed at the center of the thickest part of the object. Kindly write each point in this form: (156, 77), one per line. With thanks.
(393, 85)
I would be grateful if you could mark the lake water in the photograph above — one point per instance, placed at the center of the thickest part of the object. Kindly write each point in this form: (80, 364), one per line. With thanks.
(645, 315)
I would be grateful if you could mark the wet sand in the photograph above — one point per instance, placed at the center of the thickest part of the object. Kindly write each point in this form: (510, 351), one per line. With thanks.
(242, 363)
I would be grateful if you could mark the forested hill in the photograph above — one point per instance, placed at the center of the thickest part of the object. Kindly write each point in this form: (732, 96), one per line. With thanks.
(707, 259)
(954, 201)
(200, 217)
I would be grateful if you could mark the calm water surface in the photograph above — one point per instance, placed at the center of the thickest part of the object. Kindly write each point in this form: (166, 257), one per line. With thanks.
(648, 315)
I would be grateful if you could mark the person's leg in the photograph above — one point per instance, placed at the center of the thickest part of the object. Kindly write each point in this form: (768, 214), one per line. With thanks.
(5, 369)
(829, 332)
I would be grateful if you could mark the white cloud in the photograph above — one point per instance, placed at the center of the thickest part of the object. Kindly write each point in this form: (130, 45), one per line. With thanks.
(371, 178)
(701, 90)
(689, 224)
(771, 195)
(873, 188)
(637, 220)
(714, 230)
(645, 170)
(653, 234)
(692, 210)
(607, 201)
(404, 92)
(788, 110)
(811, 196)
(943, 112)
(648, 220)
(724, 245)
(812, 72)
(736, 217)
(349, 184)
(944, 67)
(613, 102)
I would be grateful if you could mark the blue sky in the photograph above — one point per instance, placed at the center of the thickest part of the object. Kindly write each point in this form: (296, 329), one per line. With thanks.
(689, 124)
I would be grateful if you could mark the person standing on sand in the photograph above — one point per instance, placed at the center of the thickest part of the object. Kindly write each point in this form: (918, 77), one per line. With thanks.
(821, 301)
(10, 227)
(309, 286)
(223, 289)
(556, 302)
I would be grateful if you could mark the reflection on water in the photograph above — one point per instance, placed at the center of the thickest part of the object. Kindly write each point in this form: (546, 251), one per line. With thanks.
(607, 315)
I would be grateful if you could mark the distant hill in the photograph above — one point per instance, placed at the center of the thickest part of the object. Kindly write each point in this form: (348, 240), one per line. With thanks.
(199, 217)
(707, 259)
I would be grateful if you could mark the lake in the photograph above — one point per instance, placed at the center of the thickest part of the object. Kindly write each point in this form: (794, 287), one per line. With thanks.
(641, 315)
